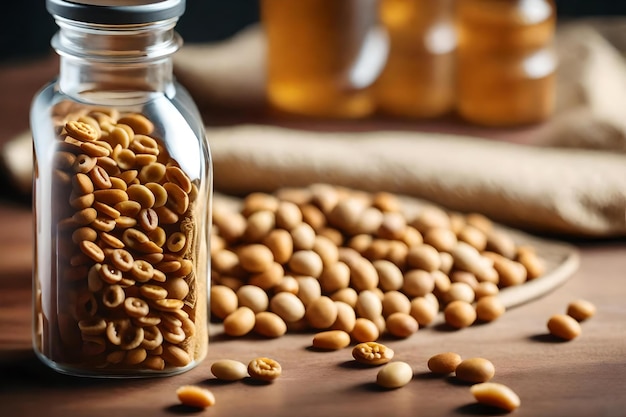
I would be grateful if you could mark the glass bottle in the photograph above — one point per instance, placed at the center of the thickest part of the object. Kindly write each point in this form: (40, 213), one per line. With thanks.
(418, 79)
(122, 196)
(323, 56)
(506, 66)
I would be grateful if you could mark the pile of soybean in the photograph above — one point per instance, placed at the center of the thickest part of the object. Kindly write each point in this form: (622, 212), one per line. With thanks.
(325, 257)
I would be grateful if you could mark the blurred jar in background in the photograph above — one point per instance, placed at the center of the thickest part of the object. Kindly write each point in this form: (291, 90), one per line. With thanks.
(506, 67)
(418, 79)
(323, 56)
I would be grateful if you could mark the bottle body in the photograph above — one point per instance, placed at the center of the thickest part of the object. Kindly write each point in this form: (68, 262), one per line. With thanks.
(323, 56)
(122, 193)
(506, 66)
(418, 79)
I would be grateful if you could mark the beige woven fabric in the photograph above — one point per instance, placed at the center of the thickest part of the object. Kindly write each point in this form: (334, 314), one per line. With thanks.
(568, 191)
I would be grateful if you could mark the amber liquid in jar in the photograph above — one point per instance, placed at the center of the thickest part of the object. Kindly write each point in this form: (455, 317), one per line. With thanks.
(418, 79)
(506, 68)
(323, 56)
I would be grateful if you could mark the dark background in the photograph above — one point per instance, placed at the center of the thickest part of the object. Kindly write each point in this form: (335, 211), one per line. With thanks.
(27, 27)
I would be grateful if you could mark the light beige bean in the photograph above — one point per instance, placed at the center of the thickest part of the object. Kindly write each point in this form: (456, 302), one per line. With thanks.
(309, 289)
(306, 262)
(459, 291)
(389, 275)
(253, 297)
(346, 317)
(496, 395)
(394, 375)
(303, 237)
(369, 305)
(229, 370)
(444, 363)
(564, 327)
(331, 340)
(475, 370)
(288, 215)
(581, 310)
(288, 306)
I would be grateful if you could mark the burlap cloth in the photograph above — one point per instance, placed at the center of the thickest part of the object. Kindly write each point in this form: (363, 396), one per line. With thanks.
(570, 180)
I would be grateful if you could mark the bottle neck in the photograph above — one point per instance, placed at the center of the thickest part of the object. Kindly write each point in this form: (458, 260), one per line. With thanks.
(101, 63)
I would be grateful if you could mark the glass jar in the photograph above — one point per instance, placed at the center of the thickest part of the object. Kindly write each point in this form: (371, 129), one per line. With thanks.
(323, 56)
(418, 78)
(122, 196)
(506, 65)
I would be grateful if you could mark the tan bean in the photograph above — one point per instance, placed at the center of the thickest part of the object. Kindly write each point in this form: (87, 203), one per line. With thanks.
(365, 330)
(363, 275)
(581, 310)
(459, 314)
(459, 291)
(475, 370)
(335, 277)
(440, 238)
(424, 309)
(489, 308)
(321, 313)
(194, 396)
(327, 251)
(82, 131)
(240, 322)
(417, 283)
(346, 317)
(346, 295)
(444, 363)
(401, 325)
(496, 395)
(255, 257)
(269, 278)
(564, 327)
(280, 243)
(138, 123)
(269, 324)
(331, 340)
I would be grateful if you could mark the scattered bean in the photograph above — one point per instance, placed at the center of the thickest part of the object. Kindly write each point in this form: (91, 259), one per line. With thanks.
(394, 375)
(475, 370)
(444, 363)
(564, 327)
(496, 395)
(194, 396)
(229, 370)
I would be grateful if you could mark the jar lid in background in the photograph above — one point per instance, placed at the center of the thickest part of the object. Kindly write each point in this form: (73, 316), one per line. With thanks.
(116, 12)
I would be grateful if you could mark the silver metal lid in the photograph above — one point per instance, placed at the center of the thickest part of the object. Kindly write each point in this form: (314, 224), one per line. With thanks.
(116, 12)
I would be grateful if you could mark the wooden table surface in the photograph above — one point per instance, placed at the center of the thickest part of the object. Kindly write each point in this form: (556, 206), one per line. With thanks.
(584, 377)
